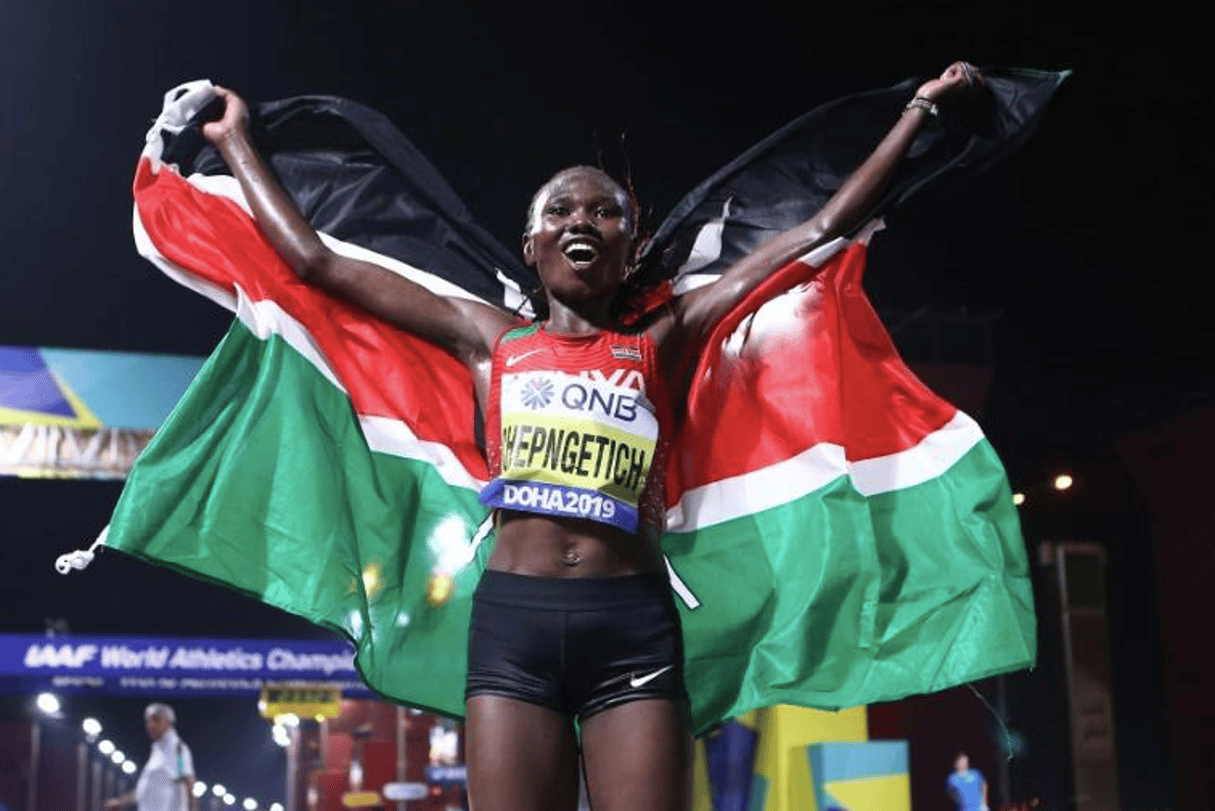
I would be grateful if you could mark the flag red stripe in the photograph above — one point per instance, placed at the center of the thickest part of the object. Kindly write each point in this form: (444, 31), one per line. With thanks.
(828, 372)
(387, 372)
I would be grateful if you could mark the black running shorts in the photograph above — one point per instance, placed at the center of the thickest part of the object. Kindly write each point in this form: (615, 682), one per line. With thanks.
(576, 645)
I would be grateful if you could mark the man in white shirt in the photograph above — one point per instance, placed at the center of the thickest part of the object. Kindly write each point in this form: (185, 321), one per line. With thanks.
(167, 780)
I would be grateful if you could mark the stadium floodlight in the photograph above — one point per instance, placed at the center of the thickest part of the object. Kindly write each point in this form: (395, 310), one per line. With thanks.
(91, 727)
(47, 703)
(250, 804)
(229, 799)
(117, 756)
(277, 807)
(106, 747)
(218, 790)
(128, 767)
(200, 788)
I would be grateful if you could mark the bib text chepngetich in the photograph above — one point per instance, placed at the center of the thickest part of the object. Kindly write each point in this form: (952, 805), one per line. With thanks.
(579, 443)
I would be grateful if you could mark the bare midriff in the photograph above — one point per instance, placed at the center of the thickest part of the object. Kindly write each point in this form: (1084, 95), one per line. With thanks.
(542, 546)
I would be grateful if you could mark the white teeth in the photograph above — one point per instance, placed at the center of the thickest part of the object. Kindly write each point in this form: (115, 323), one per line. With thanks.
(581, 251)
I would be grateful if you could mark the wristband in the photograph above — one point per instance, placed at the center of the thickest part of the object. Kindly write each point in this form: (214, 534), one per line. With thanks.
(925, 105)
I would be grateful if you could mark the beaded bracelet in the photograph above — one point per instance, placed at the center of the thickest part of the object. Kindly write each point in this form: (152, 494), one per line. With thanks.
(925, 105)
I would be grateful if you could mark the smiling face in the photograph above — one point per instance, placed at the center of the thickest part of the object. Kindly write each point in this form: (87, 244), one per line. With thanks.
(580, 237)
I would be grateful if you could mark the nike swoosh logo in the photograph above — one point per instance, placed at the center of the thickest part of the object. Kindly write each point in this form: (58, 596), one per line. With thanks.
(642, 681)
(513, 359)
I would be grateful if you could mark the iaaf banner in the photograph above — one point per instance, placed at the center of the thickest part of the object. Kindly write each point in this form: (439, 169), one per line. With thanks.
(176, 664)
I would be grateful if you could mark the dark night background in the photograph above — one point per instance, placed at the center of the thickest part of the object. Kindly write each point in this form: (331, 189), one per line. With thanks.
(1082, 247)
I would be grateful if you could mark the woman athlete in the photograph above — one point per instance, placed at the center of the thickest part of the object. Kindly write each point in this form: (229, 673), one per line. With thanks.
(573, 617)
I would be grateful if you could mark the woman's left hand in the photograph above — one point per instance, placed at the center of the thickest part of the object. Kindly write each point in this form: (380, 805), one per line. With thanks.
(959, 81)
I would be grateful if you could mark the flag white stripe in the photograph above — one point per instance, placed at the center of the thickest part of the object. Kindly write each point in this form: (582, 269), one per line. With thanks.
(818, 466)
(383, 434)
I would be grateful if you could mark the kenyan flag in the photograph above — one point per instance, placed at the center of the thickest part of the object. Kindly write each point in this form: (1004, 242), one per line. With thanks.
(837, 535)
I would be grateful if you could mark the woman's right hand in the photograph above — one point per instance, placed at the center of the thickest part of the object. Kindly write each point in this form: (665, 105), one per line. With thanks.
(233, 124)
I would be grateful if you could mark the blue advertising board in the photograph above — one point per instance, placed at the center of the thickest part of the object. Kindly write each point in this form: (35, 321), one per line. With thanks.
(161, 665)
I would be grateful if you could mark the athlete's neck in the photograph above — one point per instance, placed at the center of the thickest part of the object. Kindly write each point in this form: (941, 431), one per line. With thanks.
(585, 319)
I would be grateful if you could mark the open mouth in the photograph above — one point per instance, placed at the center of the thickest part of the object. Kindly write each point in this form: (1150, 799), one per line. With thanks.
(581, 253)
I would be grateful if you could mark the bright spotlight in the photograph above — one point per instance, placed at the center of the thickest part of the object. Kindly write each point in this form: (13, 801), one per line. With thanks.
(1063, 481)
(218, 790)
(106, 747)
(250, 804)
(117, 756)
(128, 767)
(277, 807)
(47, 703)
(1018, 499)
(91, 727)
(200, 788)
(229, 799)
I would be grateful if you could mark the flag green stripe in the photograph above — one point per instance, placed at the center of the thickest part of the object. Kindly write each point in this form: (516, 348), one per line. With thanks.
(869, 609)
(261, 480)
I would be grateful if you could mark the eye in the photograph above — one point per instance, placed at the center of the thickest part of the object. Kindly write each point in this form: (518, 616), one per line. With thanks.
(556, 209)
(608, 211)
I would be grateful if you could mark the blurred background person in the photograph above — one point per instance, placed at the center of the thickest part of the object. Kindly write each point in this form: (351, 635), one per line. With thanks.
(167, 780)
(966, 786)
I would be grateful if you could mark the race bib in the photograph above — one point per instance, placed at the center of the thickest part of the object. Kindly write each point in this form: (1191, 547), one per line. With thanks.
(572, 445)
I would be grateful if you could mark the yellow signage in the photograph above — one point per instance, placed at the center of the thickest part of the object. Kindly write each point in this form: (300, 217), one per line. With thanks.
(304, 700)
(361, 799)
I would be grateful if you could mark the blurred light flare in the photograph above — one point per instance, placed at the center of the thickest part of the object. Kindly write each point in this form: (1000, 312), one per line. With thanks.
(106, 747)
(200, 788)
(128, 766)
(1018, 499)
(218, 790)
(91, 727)
(371, 581)
(47, 703)
(1063, 481)
(250, 804)
(280, 735)
(451, 545)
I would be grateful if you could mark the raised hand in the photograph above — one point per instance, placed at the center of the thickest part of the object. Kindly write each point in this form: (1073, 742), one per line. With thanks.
(960, 80)
(233, 124)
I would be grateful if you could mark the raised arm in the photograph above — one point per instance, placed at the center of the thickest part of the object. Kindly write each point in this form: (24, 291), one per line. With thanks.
(695, 313)
(464, 328)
